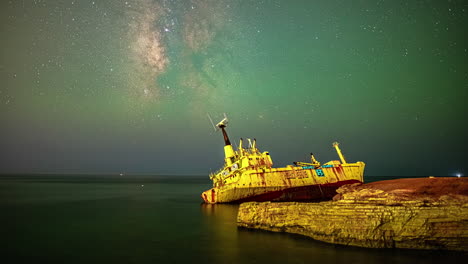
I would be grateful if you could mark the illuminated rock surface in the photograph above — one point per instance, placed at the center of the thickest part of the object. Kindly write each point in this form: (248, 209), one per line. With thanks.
(423, 213)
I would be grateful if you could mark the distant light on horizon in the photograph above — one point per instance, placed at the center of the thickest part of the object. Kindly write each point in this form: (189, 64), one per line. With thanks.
(459, 175)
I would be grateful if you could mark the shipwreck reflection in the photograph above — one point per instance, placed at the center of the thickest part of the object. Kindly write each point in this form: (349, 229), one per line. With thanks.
(221, 226)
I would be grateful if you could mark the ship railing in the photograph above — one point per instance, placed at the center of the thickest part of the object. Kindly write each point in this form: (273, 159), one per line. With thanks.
(213, 174)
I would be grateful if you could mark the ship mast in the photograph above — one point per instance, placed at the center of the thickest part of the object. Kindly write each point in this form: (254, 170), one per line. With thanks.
(338, 150)
(229, 153)
(226, 138)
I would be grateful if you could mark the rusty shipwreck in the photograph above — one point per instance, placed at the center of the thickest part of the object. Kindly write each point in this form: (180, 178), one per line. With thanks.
(248, 175)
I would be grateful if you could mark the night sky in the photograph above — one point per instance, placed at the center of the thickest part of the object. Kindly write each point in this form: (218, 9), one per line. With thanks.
(125, 86)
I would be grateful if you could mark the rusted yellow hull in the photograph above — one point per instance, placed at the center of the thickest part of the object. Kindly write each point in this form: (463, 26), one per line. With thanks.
(285, 184)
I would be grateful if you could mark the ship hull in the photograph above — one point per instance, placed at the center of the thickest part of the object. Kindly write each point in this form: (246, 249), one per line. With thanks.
(303, 193)
(286, 184)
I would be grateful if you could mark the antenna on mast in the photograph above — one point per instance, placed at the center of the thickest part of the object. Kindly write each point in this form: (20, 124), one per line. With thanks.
(211, 120)
(224, 122)
(221, 125)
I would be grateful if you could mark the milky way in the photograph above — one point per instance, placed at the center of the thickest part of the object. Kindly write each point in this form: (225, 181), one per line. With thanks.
(147, 49)
(202, 22)
(153, 32)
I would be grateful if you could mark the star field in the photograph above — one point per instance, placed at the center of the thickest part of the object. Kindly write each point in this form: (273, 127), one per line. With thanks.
(125, 86)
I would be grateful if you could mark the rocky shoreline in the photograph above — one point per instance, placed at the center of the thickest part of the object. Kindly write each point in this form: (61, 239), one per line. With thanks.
(419, 213)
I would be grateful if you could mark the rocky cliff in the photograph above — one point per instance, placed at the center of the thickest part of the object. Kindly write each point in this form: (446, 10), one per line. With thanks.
(423, 213)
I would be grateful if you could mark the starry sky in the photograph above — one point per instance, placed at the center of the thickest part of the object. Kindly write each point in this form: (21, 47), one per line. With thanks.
(124, 86)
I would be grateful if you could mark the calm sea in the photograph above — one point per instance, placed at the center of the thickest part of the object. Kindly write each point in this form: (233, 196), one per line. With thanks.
(153, 219)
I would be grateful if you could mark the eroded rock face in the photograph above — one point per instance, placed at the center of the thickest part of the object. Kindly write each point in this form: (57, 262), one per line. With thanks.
(394, 214)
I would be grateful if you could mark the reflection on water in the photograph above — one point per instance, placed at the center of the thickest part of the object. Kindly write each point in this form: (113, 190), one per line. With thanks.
(220, 219)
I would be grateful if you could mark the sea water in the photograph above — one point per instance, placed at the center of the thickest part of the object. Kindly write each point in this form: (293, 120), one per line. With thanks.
(153, 219)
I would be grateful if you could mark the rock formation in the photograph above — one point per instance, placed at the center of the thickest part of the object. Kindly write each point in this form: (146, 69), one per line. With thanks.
(420, 213)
